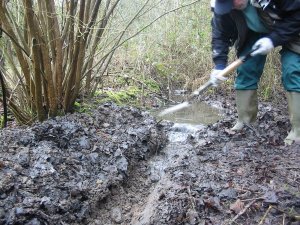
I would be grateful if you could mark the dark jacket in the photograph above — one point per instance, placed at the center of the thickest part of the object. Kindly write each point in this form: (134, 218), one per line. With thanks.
(227, 30)
(281, 17)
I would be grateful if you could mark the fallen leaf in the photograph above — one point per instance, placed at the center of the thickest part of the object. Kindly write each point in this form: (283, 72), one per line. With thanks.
(270, 197)
(237, 206)
(229, 193)
(229, 131)
(213, 202)
(240, 171)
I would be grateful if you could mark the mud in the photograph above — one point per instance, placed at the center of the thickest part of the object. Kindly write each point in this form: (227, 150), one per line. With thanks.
(224, 173)
(61, 171)
(118, 165)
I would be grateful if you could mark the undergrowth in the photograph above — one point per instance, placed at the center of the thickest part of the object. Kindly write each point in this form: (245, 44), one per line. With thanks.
(175, 53)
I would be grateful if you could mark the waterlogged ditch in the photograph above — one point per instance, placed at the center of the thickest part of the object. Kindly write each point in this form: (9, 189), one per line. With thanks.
(138, 200)
(119, 165)
(196, 114)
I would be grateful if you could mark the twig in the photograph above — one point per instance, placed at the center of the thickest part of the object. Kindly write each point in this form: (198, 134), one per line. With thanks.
(265, 215)
(249, 199)
(15, 42)
(242, 212)
(289, 215)
(283, 219)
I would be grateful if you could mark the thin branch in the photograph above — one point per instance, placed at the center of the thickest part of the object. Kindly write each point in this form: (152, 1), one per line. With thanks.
(265, 215)
(4, 124)
(242, 212)
(141, 30)
(16, 43)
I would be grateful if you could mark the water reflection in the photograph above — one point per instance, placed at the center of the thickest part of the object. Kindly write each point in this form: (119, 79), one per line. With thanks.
(196, 113)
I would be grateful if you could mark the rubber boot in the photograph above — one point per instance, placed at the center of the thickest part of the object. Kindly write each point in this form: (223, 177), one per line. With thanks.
(294, 110)
(246, 103)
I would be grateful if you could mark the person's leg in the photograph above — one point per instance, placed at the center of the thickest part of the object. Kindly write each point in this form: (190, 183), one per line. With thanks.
(246, 83)
(291, 81)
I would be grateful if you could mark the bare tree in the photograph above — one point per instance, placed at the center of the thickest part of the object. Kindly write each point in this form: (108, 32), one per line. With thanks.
(50, 53)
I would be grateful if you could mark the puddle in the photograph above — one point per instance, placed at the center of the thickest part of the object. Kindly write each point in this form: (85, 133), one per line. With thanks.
(196, 114)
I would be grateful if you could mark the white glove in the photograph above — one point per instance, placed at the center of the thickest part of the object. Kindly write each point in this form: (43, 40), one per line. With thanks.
(263, 46)
(216, 79)
(255, 3)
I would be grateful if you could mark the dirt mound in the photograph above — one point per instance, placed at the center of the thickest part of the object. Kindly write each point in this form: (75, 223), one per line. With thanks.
(58, 172)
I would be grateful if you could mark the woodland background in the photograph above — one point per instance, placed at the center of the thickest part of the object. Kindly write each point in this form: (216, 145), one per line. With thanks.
(56, 55)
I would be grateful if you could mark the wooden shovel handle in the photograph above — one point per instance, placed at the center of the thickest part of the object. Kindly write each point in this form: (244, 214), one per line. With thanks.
(236, 63)
(230, 68)
(225, 72)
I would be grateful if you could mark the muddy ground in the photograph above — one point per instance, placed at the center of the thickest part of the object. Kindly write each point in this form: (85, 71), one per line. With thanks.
(119, 165)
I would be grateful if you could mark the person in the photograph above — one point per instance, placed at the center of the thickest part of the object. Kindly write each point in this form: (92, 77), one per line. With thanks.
(258, 26)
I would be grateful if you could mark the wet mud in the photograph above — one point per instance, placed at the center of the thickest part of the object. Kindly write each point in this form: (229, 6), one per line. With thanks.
(119, 165)
(61, 171)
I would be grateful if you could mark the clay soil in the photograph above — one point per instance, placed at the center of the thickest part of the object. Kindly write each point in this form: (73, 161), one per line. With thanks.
(120, 165)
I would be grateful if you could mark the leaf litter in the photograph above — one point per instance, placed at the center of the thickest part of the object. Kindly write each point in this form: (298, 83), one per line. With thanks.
(115, 166)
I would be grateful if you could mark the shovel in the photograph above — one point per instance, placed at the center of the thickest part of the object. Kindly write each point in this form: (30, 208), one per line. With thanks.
(225, 72)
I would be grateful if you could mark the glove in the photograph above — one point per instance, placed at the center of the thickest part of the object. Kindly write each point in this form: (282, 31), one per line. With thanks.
(255, 3)
(263, 46)
(216, 79)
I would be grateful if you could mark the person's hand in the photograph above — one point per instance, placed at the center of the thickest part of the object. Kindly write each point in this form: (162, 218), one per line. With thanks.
(216, 79)
(263, 46)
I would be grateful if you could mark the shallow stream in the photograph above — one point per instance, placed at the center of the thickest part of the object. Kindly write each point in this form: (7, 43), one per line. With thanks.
(177, 153)
(187, 122)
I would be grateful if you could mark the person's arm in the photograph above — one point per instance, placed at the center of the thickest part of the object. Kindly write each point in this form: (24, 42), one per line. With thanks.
(289, 27)
(224, 34)
(284, 29)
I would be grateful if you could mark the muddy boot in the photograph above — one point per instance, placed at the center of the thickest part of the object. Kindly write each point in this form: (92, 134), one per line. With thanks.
(246, 102)
(294, 110)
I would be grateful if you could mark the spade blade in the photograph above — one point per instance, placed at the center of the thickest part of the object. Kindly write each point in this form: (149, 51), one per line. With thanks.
(174, 108)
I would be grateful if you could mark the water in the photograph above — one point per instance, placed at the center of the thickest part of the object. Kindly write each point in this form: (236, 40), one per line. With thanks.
(187, 122)
(196, 114)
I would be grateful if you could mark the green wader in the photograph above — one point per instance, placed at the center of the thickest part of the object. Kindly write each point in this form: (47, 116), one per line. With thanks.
(246, 83)
(248, 76)
(290, 62)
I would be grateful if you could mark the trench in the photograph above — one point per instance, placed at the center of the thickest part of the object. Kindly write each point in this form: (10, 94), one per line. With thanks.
(136, 201)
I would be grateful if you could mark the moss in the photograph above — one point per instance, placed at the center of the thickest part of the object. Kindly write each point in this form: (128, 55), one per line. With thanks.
(130, 95)
(83, 107)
